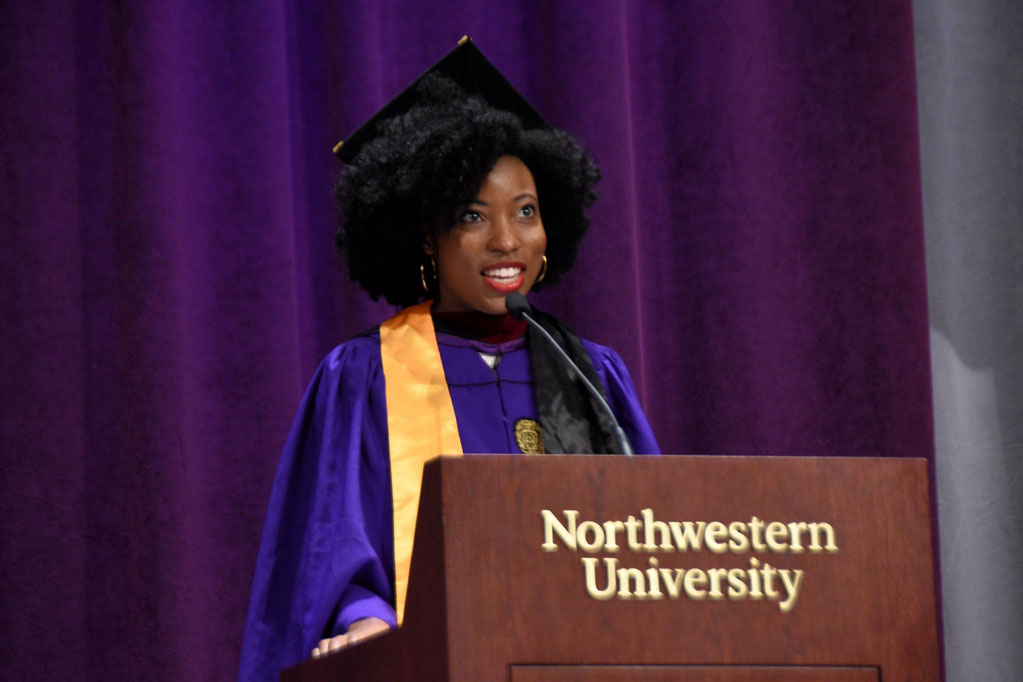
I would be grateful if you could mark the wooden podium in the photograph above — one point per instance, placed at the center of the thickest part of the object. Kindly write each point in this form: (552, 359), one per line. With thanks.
(502, 590)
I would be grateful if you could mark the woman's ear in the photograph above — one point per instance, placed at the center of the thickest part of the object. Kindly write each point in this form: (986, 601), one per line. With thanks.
(428, 247)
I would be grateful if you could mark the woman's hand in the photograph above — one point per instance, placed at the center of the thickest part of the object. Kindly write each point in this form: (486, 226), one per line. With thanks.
(357, 632)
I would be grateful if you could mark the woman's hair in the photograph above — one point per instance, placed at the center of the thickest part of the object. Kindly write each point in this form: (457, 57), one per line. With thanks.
(430, 162)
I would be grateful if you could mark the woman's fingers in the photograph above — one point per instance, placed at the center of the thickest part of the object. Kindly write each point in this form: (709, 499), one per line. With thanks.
(327, 645)
(359, 630)
(366, 628)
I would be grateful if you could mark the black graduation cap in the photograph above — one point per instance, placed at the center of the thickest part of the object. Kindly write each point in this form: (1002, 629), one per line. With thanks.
(473, 72)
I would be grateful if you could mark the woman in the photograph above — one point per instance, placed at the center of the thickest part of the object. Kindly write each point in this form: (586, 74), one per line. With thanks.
(450, 199)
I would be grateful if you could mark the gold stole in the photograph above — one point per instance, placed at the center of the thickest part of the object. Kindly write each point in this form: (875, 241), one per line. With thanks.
(420, 423)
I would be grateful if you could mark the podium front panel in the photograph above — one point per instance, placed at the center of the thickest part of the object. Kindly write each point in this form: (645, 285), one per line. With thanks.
(865, 594)
(696, 673)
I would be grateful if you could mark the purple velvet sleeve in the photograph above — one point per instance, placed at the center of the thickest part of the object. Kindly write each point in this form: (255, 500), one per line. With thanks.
(326, 555)
(621, 396)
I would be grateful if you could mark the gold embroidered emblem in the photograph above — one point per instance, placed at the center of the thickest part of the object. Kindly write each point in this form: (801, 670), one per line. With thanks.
(529, 436)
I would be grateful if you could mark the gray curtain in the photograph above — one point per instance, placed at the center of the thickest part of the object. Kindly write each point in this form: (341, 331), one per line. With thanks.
(970, 81)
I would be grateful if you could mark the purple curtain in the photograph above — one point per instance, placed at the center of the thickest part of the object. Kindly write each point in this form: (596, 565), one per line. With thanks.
(169, 280)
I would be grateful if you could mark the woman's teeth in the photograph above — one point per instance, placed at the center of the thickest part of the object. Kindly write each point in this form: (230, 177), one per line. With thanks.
(503, 274)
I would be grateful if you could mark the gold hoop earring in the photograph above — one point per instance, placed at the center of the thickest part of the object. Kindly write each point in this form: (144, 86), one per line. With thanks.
(422, 274)
(543, 270)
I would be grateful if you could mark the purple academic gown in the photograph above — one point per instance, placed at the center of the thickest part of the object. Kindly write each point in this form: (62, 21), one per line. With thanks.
(326, 558)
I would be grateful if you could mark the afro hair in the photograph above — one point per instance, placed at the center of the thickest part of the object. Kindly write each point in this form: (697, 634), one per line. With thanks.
(425, 165)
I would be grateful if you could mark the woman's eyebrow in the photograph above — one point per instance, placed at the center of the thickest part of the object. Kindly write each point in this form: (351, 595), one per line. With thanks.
(526, 195)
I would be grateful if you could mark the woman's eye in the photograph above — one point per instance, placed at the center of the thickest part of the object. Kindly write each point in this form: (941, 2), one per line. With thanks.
(470, 217)
(527, 211)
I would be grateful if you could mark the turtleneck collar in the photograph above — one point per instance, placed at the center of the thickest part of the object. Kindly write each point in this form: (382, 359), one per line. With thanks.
(495, 329)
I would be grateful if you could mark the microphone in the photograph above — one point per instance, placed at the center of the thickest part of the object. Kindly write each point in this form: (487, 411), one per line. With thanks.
(519, 308)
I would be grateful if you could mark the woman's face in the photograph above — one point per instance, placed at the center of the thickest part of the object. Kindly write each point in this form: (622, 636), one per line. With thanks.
(496, 246)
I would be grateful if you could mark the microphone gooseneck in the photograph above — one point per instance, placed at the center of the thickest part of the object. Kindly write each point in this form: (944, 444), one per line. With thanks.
(519, 308)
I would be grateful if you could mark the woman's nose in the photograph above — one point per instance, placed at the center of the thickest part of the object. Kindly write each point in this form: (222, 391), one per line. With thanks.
(503, 237)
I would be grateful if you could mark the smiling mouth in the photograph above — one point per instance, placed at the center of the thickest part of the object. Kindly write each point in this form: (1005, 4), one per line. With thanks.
(504, 275)
(505, 278)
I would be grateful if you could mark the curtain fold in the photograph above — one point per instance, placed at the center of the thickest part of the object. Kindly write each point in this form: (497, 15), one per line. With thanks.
(970, 74)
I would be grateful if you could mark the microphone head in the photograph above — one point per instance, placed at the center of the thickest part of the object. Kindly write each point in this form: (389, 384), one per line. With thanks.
(517, 305)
